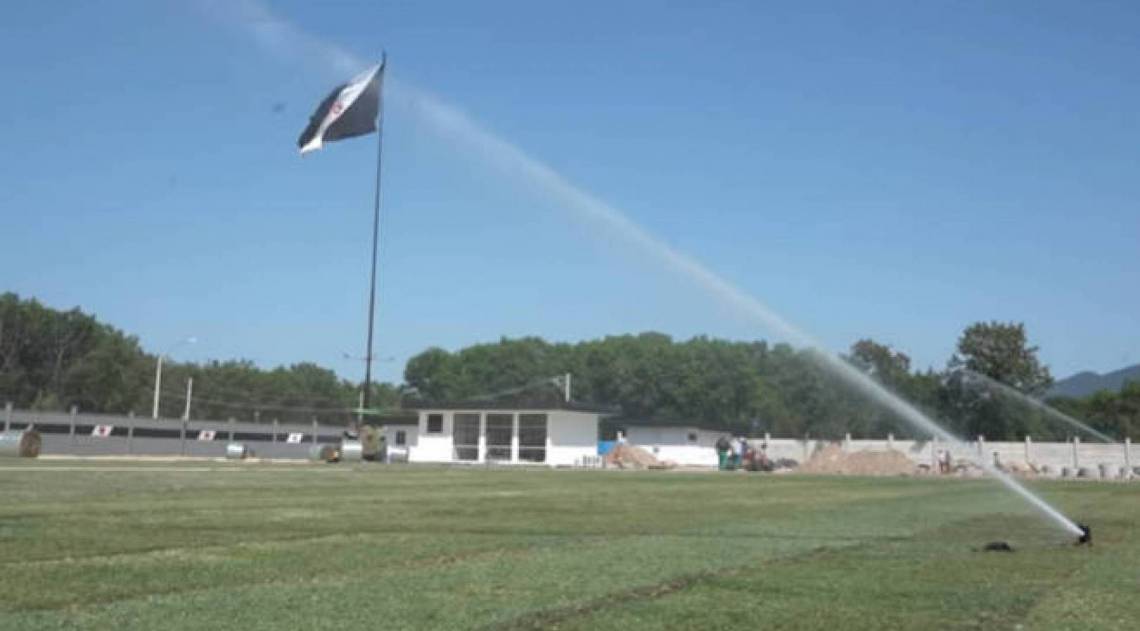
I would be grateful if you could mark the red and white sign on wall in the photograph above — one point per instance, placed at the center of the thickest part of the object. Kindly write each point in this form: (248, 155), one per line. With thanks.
(102, 431)
(295, 438)
(206, 434)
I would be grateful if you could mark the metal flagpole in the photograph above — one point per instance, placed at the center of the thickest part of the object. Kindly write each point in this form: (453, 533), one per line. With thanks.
(375, 235)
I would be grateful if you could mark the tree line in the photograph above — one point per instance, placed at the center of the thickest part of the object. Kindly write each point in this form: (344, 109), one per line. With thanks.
(54, 359)
(754, 387)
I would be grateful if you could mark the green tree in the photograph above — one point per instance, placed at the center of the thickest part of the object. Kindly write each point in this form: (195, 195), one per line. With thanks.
(1002, 352)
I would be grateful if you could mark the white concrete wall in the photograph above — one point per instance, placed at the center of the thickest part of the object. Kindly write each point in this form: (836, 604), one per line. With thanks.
(1054, 454)
(400, 453)
(570, 436)
(779, 448)
(432, 447)
(673, 444)
(410, 433)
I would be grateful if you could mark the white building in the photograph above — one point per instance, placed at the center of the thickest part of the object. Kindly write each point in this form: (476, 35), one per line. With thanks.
(399, 436)
(686, 446)
(557, 435)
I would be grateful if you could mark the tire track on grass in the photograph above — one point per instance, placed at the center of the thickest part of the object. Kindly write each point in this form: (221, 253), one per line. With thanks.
(509, 550)
(551, 618)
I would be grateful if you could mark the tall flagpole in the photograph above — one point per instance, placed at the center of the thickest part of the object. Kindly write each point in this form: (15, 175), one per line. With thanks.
(366, 400)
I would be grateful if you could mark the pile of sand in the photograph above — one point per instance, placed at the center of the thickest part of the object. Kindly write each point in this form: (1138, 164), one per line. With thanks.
(629, 457)
(833, 460)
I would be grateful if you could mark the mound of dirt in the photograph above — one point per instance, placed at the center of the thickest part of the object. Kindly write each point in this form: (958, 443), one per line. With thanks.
(833, 460)
(629, 457)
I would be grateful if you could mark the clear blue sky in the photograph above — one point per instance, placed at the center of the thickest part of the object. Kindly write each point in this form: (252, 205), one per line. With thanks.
(894, 170)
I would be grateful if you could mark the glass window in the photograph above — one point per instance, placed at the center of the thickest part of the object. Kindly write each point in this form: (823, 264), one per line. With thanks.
(466, 436)
(500, 427)
(692, 437)
(435, 423)
(401, 437)
(532, 437)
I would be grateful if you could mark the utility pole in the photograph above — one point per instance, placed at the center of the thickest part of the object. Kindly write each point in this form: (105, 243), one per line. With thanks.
(185, 416)
(566, 386)
(158, 372)
(157, 386)
(189, 394)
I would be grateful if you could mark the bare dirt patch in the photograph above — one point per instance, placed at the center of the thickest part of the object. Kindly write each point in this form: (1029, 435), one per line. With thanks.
(833, 460)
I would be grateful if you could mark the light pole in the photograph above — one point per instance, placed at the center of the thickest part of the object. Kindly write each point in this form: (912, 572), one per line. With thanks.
(367, 382)
(158, 371)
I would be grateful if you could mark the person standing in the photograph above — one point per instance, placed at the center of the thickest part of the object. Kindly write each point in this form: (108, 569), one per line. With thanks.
(722, 448)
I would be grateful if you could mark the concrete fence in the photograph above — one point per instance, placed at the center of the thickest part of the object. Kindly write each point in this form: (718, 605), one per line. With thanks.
(77, 433)
(1073, 454)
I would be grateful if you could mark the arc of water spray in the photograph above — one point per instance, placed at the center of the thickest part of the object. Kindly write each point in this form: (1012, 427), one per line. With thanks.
(514, 163)
(1035, 403)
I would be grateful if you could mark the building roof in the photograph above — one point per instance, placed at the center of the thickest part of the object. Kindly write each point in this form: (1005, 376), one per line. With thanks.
(617, 421)
(569, 406)
(396, 417)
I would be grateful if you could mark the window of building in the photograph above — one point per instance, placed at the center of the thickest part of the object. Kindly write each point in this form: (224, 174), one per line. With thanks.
(692, 437)
(401, 438)
(435, 424)
(532, 437)
(466, 436)
(500, 427)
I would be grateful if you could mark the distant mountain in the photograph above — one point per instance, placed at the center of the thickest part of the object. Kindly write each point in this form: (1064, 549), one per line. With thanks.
(1085, 383)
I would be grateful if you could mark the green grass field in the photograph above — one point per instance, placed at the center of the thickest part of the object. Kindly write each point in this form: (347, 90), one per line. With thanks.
(151, 546)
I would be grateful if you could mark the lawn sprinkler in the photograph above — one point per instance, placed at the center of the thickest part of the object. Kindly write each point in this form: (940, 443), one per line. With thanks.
(1086, 535)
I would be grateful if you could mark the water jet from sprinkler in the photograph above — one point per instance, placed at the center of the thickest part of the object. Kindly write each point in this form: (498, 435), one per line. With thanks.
(1048, 410)
(450, 123)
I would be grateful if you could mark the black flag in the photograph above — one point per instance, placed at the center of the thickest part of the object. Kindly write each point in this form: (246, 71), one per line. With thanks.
(349, 110)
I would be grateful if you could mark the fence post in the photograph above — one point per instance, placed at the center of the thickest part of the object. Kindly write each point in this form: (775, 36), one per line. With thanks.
(8, 416)
(231, 429)
(847, 442)
(1028, 449)
(314, 430)
(1076, 448)
(481, 450)
(807, 437)
(890, 441)
(71, 431)
(514, 438)
(182, 436)
(274, 439)
(130, 432)
(1127, 457)
(981, 446)
(934, 454)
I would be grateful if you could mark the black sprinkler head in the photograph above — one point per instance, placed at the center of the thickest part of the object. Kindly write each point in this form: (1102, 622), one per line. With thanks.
(1086, 535)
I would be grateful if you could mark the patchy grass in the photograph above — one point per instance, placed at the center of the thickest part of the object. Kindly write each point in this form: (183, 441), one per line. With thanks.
(270, 547)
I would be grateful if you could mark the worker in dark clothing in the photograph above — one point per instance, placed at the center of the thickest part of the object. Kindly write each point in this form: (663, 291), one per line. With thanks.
(722, 448)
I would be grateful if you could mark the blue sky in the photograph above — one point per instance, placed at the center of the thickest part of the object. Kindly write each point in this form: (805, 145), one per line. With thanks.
(894, 170)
